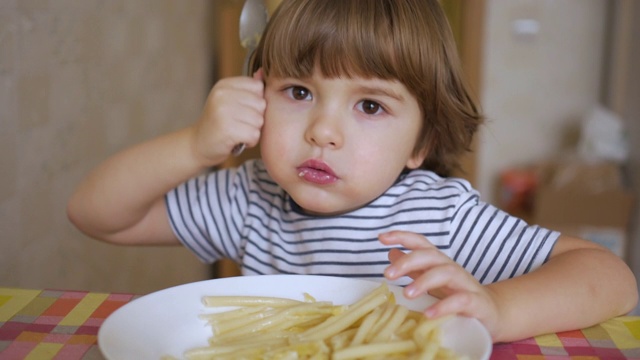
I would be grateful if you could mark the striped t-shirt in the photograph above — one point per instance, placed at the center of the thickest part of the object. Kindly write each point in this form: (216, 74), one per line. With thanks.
(242, 214)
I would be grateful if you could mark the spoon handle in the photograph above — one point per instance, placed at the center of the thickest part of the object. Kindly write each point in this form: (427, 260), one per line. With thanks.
(239, 148)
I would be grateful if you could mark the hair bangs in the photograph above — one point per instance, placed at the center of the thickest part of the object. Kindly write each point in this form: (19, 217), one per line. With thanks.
(339, 38)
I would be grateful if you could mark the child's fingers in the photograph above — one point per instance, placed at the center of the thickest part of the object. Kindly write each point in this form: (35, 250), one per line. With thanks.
(240, 83)
(242, 98)
(438, 278)
(394, 256)
(460, 303)
(409, 240)
(442, 280)
(416, 261)
(469, 304)
(233, 114)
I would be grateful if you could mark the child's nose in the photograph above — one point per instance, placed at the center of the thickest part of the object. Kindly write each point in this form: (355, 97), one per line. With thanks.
(325, 131)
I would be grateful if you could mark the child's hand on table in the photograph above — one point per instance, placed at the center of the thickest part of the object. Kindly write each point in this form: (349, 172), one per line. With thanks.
(233, 114)
(438, 275)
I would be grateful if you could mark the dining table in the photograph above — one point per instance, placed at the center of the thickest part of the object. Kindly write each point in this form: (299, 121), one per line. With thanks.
(64, 324)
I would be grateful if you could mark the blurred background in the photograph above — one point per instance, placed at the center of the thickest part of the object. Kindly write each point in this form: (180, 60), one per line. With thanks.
(80, 80)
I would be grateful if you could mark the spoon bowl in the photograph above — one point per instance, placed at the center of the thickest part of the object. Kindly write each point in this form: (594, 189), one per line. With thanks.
(253, 20)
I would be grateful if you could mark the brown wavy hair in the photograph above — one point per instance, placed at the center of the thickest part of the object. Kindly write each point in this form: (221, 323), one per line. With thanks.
(405, 40)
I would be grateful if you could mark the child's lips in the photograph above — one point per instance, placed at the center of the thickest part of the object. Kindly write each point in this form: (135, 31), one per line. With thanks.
(317, 172)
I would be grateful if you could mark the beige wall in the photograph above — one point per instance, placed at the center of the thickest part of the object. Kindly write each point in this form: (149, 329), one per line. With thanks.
(623, 95)
(536, 88)
(78, 81)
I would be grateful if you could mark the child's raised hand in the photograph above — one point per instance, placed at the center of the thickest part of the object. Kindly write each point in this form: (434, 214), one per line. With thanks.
(233, 114)
(435, 273)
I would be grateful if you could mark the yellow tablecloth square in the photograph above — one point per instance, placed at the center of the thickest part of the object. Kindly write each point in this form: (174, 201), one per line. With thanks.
(13, 300)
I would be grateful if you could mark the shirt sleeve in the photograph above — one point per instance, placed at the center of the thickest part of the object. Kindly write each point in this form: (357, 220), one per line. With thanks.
(493, 245)
(206, 213)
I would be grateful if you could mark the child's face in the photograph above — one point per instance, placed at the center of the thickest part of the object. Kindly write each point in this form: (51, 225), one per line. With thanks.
(337, 144)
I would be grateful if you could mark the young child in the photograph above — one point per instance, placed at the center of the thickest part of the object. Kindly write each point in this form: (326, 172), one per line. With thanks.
(360, 112)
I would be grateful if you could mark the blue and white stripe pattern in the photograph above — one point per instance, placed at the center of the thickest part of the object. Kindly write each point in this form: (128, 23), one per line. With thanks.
(243, 215)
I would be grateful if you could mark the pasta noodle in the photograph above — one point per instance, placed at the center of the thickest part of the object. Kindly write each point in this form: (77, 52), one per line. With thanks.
(374, 327)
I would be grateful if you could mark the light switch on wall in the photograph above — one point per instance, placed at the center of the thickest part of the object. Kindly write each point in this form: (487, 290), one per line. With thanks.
(525, 29)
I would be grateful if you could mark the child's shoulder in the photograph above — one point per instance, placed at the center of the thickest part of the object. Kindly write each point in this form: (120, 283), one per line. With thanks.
(415, 187)
(425, 179)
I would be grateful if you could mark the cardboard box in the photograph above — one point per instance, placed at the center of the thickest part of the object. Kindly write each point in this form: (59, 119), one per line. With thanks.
(584, 200)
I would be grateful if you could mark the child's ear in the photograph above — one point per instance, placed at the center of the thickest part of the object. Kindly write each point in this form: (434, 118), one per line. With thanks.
(416, 160)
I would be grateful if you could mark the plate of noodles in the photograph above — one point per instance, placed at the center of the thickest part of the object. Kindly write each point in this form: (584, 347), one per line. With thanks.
(292, 315)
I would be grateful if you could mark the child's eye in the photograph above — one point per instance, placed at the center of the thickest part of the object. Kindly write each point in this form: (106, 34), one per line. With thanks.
(370, 107)
(299, 93)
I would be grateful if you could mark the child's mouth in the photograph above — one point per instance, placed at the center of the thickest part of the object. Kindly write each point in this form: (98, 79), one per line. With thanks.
(316, 172)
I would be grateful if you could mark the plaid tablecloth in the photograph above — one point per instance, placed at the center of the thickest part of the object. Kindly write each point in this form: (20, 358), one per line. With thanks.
(618, 338)
(55, 324)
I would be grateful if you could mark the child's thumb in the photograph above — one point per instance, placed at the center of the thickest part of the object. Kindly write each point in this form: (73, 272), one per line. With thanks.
(258, 75)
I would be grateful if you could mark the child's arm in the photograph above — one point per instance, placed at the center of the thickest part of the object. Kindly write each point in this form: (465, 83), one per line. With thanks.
(122, 200)
(582, 284)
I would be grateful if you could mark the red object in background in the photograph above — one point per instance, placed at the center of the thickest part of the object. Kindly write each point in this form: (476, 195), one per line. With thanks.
(517, 189)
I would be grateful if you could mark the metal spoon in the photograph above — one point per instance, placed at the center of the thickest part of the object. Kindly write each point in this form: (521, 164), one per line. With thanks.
(253, 20)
